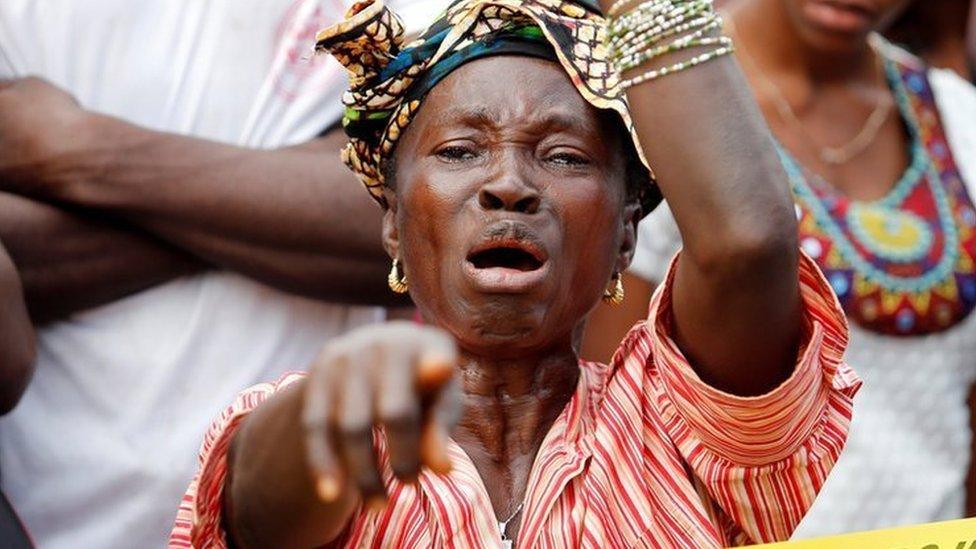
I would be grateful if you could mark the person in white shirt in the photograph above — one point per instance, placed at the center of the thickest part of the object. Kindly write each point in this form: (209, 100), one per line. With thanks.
(179, 218)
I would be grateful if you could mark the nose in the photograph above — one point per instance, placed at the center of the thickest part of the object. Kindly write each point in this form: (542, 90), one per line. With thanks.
(510, 194)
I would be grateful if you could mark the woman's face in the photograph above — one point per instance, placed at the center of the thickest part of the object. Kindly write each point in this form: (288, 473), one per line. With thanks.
(841, 25)
(509, 210)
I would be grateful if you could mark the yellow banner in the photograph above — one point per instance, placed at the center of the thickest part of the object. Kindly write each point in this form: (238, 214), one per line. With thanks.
(955, 534)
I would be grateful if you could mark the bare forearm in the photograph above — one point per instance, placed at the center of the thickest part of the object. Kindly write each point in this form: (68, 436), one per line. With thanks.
(269, 501)
(294, 218)
(715, 161)
(736, 295)
(68, 262)
(16, 337)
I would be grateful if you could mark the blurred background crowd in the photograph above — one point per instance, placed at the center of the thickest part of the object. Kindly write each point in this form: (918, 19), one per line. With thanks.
(176, 225)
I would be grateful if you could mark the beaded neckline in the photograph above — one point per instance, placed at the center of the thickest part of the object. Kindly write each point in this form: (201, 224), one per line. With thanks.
(900, 264)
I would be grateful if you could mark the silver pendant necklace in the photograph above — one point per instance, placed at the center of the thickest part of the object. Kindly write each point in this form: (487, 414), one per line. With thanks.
(503, 527)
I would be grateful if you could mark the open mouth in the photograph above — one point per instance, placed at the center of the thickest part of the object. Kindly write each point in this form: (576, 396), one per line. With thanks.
(856, 7)
(505, 257)
(508, 261)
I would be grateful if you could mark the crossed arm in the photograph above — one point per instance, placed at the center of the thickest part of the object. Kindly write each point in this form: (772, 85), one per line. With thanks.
(168, 205)
(16, 337)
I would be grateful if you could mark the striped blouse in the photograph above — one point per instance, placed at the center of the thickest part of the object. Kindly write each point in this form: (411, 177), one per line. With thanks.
(644, 455)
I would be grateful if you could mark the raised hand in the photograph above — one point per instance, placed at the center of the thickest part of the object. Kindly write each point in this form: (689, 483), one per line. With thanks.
(395, 376)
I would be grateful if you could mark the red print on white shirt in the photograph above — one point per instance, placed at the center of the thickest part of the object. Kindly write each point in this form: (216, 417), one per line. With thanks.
(294, 40)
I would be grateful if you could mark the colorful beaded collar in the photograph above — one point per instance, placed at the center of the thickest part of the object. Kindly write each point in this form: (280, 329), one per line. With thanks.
(904, 264)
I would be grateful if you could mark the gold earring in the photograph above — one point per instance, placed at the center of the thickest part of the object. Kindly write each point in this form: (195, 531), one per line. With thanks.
(614, 294)
(396, 280)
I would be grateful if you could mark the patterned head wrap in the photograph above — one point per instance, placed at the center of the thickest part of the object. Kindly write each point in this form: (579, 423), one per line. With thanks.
(387, 82)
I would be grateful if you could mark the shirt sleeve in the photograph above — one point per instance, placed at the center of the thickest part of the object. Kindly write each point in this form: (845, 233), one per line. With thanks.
(658, 240)
(199, 521)
(761, 459)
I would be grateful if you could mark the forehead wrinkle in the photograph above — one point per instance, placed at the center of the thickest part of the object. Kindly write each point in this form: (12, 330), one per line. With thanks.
(473, 116)
(539, 120)
(562, 121)
(475, 99)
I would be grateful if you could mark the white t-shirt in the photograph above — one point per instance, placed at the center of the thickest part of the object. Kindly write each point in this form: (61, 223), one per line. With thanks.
(907, 454)
(103, 444)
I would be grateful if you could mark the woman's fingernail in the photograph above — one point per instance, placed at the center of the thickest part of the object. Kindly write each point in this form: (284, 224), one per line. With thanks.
(376, 504)
(327, 487)
(442, 466)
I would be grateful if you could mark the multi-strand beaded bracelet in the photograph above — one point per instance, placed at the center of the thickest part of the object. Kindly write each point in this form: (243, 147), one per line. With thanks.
(654, 28)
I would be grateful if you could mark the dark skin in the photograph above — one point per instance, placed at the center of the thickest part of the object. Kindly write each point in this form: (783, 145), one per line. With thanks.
(831, 79)
(505, 152)
(84, 262)
(105, 193)
(608, 324)
(971, 37)
(941, 32)
(17, 350)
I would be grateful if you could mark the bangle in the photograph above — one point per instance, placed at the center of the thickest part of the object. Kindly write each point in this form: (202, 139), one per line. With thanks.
(633, 57)
(678, 67)
(618, 5)
(640, 44)
(656, 28)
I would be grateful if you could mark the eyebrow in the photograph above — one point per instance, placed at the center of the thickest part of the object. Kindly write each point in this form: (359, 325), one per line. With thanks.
(483, 118)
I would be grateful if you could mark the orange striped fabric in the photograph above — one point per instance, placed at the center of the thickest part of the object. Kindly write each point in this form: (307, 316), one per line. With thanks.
(644, 455)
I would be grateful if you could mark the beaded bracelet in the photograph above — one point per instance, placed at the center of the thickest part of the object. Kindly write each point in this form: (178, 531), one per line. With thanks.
(650, 19)
(677, 67)
(618, 5)
(624, 47)
(655, 28)
(671, 8)
(674, 48)
(652, 29)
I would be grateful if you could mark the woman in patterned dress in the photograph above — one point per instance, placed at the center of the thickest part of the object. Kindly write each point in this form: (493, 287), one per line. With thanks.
(881, 153)
(512, 197)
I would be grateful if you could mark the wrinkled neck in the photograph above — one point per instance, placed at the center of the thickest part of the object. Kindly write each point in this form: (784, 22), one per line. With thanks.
(508, 406)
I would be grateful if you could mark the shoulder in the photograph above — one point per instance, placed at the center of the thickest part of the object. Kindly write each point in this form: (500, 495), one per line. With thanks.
(956, 96)
(956, 101)
(896, 53)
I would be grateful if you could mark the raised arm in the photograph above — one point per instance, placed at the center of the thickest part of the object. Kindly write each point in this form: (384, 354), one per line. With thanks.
(68, 262)
(292, 217)
(736, 292)
(16, 337)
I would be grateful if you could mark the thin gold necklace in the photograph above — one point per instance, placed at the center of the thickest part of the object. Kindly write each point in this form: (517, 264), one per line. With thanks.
(830, 155)
(503, 526)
